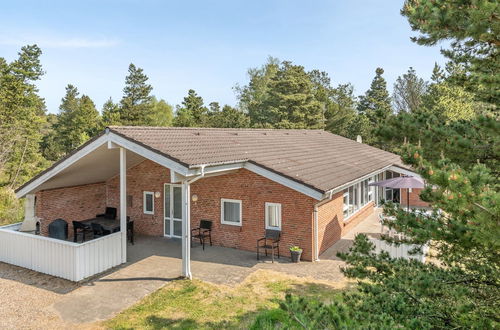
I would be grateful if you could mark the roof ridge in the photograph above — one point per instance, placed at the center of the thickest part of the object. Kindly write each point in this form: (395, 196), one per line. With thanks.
(219, 128)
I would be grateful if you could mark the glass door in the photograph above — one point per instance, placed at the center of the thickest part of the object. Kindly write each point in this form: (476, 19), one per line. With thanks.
(173, 210)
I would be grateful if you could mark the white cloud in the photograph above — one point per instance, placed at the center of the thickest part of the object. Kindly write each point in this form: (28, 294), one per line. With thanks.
(57, 41)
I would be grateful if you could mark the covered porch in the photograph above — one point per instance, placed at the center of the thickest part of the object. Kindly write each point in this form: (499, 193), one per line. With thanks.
(86, 183)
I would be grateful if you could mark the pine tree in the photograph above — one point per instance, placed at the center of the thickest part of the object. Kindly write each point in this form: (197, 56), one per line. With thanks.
(374, 108)
(408, 91)
(340, 113)
(78, 120)
(192, 113)
(228, 117)
(437, 74)
(450, 102)
(136, 104)
(111, 113)
(22, 116)
(252, 96)
(376, 103)
(473, 28)
(291, 102)
(283, 95)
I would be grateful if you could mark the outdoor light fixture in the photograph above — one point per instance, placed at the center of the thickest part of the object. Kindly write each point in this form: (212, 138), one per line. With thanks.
(194, 198)
(157, 194)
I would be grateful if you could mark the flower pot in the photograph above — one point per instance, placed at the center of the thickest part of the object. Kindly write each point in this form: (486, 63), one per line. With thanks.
(295, 255)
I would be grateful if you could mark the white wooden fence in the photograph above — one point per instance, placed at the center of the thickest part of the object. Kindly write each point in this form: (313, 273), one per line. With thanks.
(401, 251)
(72, 261)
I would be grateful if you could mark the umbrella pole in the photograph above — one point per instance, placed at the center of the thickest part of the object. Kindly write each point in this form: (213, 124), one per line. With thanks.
(408, 199)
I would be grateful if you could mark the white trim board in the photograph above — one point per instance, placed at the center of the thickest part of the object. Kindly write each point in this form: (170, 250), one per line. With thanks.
(62, 165)
(149, 154)
(364, 177)
(404, 171)
(112, 140)
(284, 181)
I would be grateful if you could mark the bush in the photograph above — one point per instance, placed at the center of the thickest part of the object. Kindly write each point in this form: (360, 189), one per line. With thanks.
(11, 208)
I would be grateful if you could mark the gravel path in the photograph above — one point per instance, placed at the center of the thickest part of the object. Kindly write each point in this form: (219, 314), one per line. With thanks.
(26, 298)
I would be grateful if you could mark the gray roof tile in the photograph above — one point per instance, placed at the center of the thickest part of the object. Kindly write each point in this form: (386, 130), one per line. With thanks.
(316, 158)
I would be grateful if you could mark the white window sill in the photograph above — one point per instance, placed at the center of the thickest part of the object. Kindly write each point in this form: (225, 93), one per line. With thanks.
(236, 224)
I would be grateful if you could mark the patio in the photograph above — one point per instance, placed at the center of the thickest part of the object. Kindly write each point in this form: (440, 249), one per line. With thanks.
(152, 262)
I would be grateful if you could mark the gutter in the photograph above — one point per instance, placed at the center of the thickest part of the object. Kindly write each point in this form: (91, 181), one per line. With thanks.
(350, 183)
(201, 175)
(316, 225)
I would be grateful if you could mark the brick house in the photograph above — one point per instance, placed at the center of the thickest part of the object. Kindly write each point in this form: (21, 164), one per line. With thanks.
(309, 184)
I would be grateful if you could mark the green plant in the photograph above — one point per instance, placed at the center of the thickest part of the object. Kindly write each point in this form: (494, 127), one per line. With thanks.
(11, 208)
(295, 248)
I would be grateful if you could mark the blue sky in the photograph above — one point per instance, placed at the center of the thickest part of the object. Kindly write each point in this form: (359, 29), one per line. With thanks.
(207, 45)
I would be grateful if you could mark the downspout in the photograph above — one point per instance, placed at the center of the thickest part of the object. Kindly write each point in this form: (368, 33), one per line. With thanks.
(186, 248)
(316, 225)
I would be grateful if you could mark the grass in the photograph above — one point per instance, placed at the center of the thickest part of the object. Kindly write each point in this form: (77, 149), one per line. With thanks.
(195, 304)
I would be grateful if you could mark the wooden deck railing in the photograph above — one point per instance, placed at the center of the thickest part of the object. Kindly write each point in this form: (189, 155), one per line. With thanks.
(72, 261)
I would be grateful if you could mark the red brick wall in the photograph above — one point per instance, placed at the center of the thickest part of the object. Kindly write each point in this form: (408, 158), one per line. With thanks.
(71, 204)
(147, 176)
(415, 200)
(330, 222)
(254, 191)
(331, 225)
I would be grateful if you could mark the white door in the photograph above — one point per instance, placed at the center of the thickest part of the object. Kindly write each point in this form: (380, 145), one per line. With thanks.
(173, 210)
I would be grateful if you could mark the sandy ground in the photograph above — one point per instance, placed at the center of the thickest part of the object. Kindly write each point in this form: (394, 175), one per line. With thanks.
(27, 297)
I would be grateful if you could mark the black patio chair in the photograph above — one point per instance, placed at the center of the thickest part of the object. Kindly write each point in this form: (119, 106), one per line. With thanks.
(110, 213)
(80, 228)
(271, 241)
(130, 230)
(99, 230)
(202, 232)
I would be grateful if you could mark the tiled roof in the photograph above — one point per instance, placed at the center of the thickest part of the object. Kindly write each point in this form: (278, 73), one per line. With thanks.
(315, 158)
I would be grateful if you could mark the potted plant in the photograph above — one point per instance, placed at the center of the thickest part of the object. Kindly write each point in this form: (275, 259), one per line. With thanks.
(295, 252)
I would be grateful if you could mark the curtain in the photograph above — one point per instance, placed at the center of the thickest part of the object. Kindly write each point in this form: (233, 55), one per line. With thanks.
(232, 212)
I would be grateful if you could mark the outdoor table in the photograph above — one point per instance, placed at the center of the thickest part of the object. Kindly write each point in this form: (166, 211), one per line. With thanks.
(113, 225)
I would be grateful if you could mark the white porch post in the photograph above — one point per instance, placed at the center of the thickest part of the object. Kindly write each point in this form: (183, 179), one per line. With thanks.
(123, 202)
(186, 230)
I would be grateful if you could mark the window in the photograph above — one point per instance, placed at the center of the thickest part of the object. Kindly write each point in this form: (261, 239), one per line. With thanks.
(356, 201)
(392, 194)
(346, 203)
(273, 216)
(370, 189)
(230, 213)
(149, 205)
(357, 196)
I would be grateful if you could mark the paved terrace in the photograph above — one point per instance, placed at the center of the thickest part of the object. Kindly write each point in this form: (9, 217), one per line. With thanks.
(33, 300)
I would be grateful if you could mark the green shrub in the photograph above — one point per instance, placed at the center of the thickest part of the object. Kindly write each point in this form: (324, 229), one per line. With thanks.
(11, 208)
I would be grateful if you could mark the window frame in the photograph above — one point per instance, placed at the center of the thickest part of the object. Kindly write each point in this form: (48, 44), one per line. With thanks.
(144, 199)
(360, 193)
(222, 221)
(345, 208)
(370, 188)
(267, 215)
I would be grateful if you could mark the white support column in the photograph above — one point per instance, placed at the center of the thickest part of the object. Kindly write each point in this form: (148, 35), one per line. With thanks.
(123, 202)
(186, 230)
